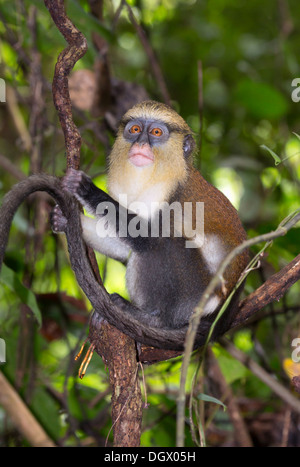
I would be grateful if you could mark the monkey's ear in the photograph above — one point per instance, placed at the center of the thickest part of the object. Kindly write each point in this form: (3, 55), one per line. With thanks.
(188, 146)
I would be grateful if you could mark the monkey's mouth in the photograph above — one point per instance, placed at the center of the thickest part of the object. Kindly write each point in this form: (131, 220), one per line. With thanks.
(141, 156)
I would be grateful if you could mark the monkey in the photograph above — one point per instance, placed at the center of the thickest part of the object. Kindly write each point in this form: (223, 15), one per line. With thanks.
(152, 162)
(150, 169)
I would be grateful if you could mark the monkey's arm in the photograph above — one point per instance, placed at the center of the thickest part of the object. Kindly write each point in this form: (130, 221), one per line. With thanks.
(85, 191)
(108, 246)
(109, 233)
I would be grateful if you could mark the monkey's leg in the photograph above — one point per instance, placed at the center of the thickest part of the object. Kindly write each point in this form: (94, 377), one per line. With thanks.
(128, 307)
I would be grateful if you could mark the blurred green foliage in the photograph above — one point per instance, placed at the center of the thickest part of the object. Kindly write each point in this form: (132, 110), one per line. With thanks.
(249, 54)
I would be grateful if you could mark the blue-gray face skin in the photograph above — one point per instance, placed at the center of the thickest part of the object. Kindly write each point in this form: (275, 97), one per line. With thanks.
(143, 131)
(154, 133)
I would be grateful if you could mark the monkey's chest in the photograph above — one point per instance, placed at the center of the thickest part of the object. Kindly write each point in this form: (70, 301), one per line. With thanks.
(167, 280)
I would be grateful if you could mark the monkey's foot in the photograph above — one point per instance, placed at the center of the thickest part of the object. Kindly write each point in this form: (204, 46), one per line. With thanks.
(58, 220)
(119, 301)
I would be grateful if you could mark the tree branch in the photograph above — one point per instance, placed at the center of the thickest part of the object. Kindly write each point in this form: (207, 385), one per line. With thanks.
(65, 63)
(21, 416)
(257, 370)
(273, 289)
(11, 168)
(241, 432)
(117, 349)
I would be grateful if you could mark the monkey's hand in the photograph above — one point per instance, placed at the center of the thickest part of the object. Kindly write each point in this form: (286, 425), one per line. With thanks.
(81, 186)
(78, 184)
(73, 181)
(58, 220)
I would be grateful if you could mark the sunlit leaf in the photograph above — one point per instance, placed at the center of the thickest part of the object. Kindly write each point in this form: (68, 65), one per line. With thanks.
(207, 398)
(291, 368)
(231, 368)
(273, 154)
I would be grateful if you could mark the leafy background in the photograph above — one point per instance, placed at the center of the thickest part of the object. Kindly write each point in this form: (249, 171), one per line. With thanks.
(249, 54)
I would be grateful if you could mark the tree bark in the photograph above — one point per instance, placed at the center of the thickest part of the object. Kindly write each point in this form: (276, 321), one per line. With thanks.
(273, 289)
(120, 355)
(117, 349)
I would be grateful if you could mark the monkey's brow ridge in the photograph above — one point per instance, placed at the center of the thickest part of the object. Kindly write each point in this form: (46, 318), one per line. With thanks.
(172, 127)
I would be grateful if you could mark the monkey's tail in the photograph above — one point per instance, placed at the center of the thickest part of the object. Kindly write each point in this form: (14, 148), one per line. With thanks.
(172, 339)
(17, 195)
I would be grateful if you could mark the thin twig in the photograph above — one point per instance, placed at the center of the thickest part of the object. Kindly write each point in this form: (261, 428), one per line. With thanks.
(11, 168)
(286, 428)
(21, 416)
(200, 107)
(37, 101)
(18, 118)
(257, 370)
(242, 436)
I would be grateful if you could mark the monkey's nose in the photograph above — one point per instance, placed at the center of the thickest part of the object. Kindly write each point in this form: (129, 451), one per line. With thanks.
(141, 155)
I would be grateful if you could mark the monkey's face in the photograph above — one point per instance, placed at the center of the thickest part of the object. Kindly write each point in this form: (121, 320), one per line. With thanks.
(151, 154)
(144, 135)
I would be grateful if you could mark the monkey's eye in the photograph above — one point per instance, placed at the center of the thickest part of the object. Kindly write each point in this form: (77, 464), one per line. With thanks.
(135, 129)
(156, 132)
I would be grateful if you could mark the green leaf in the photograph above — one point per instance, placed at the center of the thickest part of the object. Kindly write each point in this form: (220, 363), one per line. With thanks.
(261, 100)
(11, 280)
(46, 409)
(232, 369)
(276, 157)
(273, 154)
(86, 22)
(296, 134)
(207, 398)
